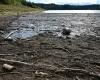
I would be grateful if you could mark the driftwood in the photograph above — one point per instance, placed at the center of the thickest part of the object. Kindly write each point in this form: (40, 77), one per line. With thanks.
(10, 73)
(42, 74)
(77, 78)
(66, 70)
(6, 54)
(8, 36)
(17, 62)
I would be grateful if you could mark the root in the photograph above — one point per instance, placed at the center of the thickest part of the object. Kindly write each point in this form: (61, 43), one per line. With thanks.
(77, 78)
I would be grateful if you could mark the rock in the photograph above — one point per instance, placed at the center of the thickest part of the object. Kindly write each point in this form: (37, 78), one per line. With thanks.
(66, 32)
(63, 25)
(7, 67)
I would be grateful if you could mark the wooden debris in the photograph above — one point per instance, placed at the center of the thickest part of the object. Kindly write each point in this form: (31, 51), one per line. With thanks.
(77, 78)
(8, 36)
(6, 54)
(41, 74)
(27, 78)
(10, 73)
(16, 62)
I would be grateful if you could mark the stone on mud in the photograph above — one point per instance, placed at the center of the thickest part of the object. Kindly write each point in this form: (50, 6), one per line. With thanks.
(66, 32)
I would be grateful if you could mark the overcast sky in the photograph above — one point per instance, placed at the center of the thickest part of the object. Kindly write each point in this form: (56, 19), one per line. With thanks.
(67, 1)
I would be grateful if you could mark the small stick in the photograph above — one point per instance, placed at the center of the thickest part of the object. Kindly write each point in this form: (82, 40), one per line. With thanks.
(17, 62)
(10, 73)
(77, 78)
(6, 54)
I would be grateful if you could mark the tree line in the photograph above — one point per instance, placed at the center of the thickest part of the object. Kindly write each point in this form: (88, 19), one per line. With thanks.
(63, 7)
(52, 6)
(69, 7)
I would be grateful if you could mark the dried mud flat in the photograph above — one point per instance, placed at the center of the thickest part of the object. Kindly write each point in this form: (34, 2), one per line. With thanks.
(47, 56)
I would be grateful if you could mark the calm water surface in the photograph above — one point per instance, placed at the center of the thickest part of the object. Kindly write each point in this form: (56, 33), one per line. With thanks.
(72, 11)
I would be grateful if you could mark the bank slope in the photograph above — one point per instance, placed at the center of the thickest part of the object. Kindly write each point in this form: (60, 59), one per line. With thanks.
(16, 9)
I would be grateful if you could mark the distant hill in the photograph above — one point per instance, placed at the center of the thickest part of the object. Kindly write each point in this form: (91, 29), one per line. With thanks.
(51, 6)
(68, 7)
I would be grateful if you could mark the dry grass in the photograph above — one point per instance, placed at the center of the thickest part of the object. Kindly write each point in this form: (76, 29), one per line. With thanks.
(13, 9)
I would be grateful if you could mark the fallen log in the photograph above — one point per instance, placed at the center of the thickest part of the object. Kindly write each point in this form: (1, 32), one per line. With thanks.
(17, 62)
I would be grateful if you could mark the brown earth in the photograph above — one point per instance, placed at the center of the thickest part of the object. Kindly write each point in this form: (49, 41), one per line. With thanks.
(76, 58)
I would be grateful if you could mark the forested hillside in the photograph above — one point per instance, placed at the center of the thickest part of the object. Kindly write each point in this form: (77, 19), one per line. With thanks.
(68, 7)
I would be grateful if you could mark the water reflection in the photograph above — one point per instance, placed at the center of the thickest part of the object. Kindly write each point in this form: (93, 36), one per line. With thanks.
(72, 11)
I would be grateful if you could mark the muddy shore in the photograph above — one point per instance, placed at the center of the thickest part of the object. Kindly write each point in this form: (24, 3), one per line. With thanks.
(73, 58)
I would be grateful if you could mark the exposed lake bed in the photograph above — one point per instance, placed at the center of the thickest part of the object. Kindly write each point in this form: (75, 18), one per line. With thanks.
(40, 42)
(31, 25)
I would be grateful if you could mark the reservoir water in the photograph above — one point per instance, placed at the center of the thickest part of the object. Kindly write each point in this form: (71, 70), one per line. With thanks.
(72, 11)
